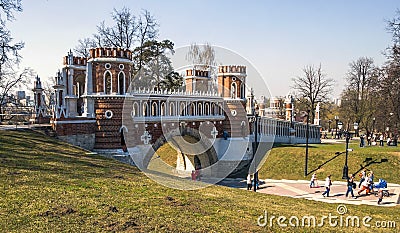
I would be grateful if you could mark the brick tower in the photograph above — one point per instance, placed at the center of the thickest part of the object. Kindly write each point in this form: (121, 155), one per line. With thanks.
(108, 75)
(232, 86)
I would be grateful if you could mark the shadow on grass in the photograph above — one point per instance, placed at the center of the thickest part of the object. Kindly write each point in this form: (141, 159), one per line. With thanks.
(25, 150)
(367, 165)
(324, 163)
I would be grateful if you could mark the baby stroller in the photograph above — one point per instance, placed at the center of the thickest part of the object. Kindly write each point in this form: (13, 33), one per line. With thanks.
(382, 184)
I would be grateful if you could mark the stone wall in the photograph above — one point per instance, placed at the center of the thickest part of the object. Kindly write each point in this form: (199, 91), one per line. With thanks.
(86, 141)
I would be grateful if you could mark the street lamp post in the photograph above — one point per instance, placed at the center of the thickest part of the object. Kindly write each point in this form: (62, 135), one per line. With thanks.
(346, 168)
(373, 125)
(255, 151)
(337, 121)
(340, 126)
(254, 119)
(390, 123)
(307, 135)
(329, 126)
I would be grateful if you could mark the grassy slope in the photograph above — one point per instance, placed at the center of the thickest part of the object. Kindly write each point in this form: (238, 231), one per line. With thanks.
(287, 162)
(49, 186)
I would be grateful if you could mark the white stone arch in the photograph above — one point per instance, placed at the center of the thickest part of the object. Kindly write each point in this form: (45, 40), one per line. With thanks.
(172, 109)
(192, 109)
(121, 83)
(207, 109)
(163, 109)
(123, 129)
(213, 110)
(145, 109)
(107, 82)
(135, 109)
(79, 88)
(200, 109)
(154, 109)
(182, 109)
(233, 90)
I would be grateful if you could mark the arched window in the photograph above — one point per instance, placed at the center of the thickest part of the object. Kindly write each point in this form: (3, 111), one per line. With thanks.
(171, 109)
(145, 109)
(242, 91)
(121, 83)
(163, 109)
(233, 90)
(107, 82)
(154, 109)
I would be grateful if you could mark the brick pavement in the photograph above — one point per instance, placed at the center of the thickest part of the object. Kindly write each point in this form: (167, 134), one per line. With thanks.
(301, 189)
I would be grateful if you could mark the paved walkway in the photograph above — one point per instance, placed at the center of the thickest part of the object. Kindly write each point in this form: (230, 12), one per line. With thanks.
(301, 189)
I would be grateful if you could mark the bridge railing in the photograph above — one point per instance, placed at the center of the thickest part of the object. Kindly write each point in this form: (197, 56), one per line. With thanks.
(283, 129)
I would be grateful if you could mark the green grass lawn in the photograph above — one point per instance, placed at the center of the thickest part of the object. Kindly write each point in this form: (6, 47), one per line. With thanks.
(49, 186)
(287, 161)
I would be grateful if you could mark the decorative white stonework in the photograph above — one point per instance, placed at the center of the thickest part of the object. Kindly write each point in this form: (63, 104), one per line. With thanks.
(233, 112)
(214, 132)
(108, 114)
(121, 66)
(146, 137)
(107, 66)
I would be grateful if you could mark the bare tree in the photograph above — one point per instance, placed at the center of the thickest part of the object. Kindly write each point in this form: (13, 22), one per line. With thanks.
(10, 77)
(147, 31)
(202, 56)
(127, 31)
(8, 7)
(313, 86)
(361, 85)
(82, 49)
(122, 33)
(11, 80)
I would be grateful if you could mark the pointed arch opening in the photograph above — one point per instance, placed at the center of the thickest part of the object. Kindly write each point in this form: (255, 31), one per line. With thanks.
(233, 90)
(171, 109)
(107, 82)
(121, 83)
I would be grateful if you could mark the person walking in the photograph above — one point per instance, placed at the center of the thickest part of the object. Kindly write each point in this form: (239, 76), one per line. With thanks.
(363, 176)
(370, 179)
(380, 196)
(364, 186)
(350, 186)
(369, 138)
(362, 141)
(249, 182)
(328, 183)
(313, 179)
(381, 140)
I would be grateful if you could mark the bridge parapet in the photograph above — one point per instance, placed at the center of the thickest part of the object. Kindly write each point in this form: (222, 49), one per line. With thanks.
(168, 92)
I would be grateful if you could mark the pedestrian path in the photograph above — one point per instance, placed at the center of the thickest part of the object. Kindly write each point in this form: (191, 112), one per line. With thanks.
(301, 189)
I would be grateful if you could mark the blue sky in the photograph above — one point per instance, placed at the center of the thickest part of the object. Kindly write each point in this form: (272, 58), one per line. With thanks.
(278, 37)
